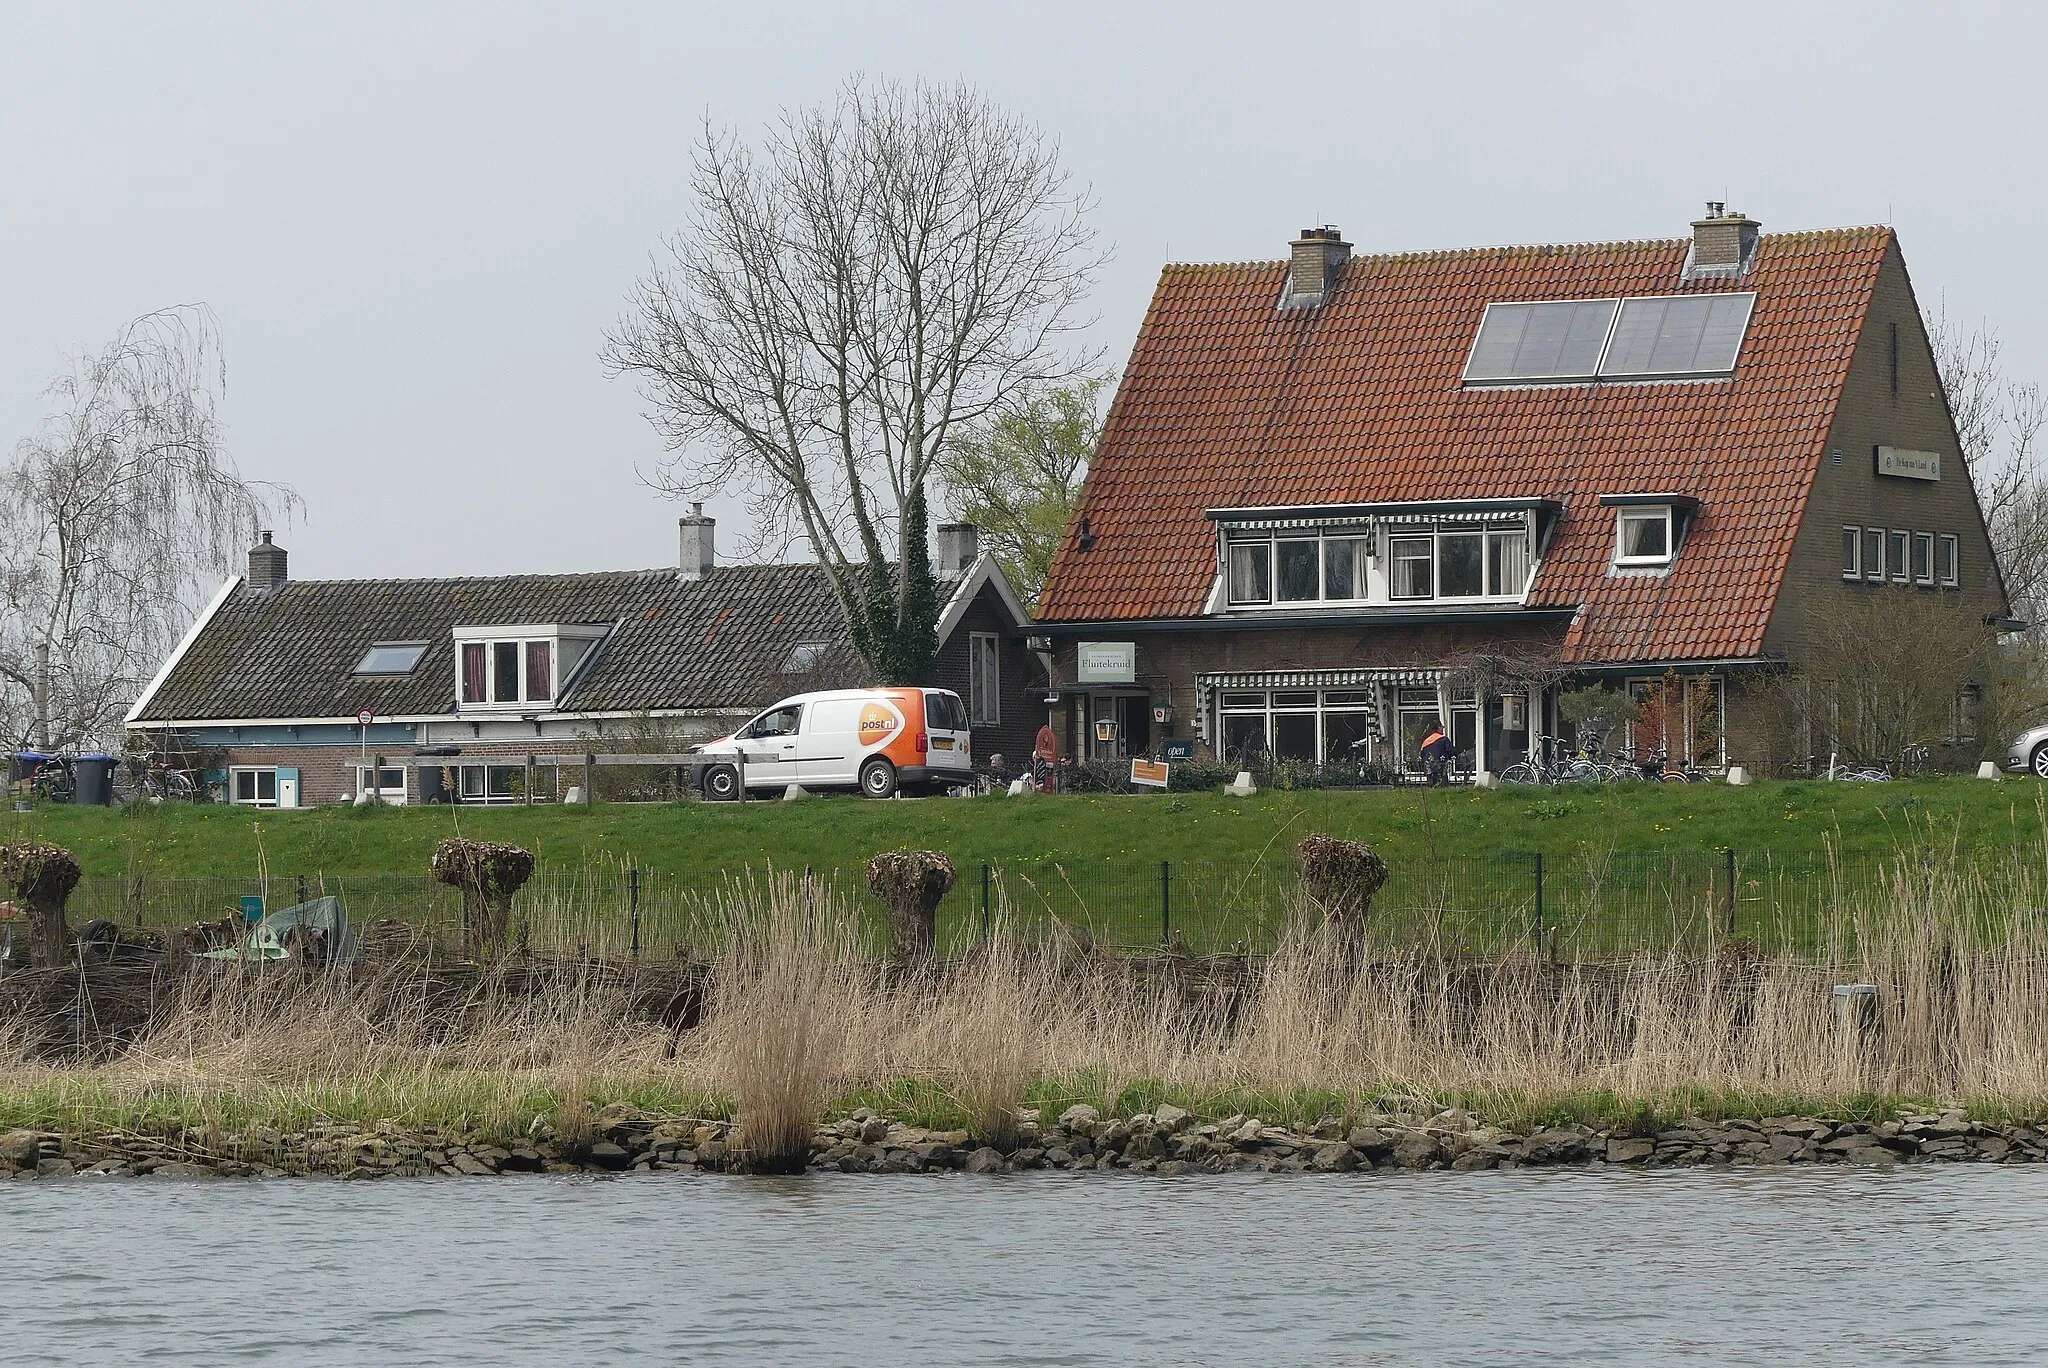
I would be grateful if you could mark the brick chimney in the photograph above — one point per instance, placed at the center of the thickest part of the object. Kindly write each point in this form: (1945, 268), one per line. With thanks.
(959, 548)
(694, 561)
(1313, 262)
(1723, 243)
(266, 567)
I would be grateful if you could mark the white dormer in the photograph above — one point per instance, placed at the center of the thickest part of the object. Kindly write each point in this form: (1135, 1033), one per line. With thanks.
(519, 668)
(1476, 553)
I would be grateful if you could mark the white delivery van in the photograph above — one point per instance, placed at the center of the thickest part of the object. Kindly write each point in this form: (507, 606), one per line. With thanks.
(875, 740)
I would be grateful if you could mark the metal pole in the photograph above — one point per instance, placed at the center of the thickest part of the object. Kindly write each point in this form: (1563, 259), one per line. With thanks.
(984, 902)
(300, 886)
(1165, 903)
(1539, 902)
(633, 885)
(1730, 852)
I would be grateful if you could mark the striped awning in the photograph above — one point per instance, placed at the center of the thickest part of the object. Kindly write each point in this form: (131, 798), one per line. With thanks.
(1503, 518)
(1319, 679)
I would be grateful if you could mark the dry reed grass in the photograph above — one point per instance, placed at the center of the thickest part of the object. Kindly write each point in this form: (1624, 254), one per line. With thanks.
(801, 1017)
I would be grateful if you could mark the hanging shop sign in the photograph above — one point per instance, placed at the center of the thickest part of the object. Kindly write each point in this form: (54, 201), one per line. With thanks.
(1106, 662)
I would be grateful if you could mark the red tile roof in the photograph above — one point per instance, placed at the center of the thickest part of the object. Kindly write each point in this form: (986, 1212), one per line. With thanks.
(1231, 402)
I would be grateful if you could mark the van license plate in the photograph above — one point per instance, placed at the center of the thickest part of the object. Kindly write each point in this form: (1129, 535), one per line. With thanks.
(942, 743)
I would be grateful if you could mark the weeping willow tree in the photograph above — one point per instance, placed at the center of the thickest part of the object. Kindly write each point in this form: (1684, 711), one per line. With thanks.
(117, 515)
(874, 275)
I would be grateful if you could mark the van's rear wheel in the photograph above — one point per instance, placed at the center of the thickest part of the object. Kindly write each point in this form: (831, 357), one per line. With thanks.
(878, 778)
(721, 783)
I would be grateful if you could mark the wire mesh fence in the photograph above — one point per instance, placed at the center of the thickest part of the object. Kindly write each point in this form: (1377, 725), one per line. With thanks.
(1577, 904)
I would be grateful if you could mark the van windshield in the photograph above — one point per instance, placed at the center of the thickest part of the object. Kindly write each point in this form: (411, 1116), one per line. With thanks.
(942, 712)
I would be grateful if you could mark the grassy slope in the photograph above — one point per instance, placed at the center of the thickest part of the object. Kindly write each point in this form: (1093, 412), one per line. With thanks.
(1785, 819)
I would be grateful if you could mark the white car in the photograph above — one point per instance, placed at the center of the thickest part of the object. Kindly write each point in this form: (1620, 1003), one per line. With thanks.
(2029, 752)
(875, 740)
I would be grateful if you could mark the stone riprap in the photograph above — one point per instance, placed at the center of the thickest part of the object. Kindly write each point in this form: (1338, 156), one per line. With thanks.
(1169, 1141)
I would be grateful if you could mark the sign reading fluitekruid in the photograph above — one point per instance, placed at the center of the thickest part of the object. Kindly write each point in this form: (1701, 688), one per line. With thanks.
(1106, 662)
(1909, 465)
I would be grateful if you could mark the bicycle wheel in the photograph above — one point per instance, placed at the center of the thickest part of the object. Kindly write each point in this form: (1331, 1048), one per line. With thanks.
(1521, 772)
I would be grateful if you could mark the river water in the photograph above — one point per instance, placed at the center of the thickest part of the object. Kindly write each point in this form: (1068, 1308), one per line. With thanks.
(1825, 1266)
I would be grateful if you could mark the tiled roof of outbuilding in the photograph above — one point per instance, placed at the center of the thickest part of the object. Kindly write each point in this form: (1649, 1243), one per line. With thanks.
(1229, 401)
(673, 645)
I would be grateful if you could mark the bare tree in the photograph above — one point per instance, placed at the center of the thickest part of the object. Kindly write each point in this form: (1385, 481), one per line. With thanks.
(880, 271)
(2000, 422)
(118, 513)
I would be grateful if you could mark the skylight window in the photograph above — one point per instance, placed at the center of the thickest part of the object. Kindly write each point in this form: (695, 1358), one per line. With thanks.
(1678, 335)
(1658, 337)
(391, 658)
(805, 656)
(1554, 341)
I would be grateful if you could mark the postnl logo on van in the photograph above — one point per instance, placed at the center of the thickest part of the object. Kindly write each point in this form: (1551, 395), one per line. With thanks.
(879, 722)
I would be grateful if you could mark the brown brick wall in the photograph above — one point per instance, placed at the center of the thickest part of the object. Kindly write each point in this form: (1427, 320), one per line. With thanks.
(327, 773)
(1852, 493)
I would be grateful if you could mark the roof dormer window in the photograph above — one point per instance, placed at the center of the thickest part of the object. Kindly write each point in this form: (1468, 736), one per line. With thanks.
(1644, 537)
(518, 667)
(1648, 527)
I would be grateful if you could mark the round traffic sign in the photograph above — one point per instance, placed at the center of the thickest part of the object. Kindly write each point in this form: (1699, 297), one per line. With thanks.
(366, 717)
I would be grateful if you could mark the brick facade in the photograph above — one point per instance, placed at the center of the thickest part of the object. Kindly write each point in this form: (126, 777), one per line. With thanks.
(1022, 709)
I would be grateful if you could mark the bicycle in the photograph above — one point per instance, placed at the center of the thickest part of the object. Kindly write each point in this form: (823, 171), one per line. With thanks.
(54, 782)
(1879, 773)
(145, 779)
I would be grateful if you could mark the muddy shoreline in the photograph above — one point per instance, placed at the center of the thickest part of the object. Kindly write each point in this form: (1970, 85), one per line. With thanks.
(1168, 1143)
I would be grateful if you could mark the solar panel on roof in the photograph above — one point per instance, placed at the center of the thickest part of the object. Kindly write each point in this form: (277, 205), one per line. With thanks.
(1557, 340)
(1678, 335)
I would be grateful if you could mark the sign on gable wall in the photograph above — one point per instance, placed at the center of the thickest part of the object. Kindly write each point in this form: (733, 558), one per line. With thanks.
(1909, 465)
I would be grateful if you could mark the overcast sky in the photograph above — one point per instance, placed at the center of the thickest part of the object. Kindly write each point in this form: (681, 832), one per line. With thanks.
(415, 221)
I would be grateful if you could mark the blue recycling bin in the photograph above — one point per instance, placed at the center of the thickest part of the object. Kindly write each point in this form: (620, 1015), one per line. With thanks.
(23, 764)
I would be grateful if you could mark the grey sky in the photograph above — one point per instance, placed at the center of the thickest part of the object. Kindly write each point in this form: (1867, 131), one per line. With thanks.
(414, 221)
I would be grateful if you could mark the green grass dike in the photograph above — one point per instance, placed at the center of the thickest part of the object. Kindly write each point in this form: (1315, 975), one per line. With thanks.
(1788, 819)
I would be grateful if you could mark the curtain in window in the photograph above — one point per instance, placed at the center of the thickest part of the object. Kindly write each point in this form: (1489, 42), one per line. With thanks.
(540, 678)
(473, 672)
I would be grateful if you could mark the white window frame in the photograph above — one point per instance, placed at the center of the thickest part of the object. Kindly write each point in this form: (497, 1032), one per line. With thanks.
(1873, 566)
(568, 646)
(1373, 568)
(1633, 512)
(1323, 709)
(1895, 538)
(1949, 549)
(1410, 535)
(984, 679)
(1230, 546)
(1852, 563)
(390, 797)
(1920, 540)
(234, 774)
(483, 769)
